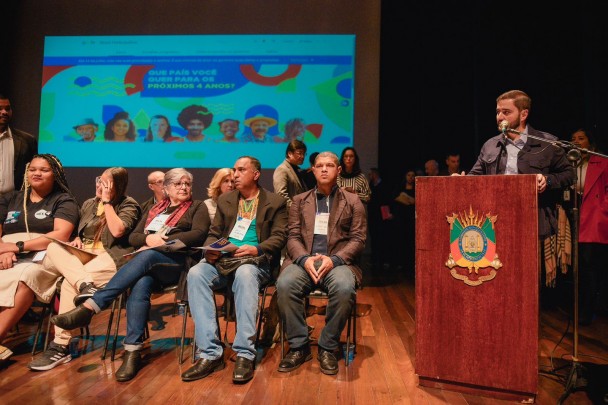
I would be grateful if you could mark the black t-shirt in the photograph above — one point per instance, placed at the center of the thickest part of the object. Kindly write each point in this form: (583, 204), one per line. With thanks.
(40, 215)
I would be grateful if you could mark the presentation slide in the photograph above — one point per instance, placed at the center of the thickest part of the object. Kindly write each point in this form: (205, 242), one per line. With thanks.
(195, 101)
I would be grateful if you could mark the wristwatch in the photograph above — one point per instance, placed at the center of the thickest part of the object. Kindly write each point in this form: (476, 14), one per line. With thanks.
(20, 246)
(106, 202)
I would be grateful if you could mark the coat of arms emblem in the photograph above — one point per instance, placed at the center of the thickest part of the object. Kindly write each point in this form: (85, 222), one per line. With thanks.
(473, 258)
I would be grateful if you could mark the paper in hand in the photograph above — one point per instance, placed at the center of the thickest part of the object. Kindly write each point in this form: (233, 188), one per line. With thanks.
(83, 255)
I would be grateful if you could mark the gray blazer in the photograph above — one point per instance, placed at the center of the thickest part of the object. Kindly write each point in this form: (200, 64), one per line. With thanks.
(286, 181)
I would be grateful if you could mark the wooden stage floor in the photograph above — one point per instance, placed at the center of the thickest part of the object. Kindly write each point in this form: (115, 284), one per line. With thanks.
(383, 371)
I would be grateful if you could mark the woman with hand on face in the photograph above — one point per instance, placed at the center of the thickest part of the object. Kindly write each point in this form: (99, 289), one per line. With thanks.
(177, 218)
(106, 220)
(43, 207)
(120, 128)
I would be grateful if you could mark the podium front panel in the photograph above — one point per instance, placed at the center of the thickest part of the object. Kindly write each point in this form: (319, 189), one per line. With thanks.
(478, 330)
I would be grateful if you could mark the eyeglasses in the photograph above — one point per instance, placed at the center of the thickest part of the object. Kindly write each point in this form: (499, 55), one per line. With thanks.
(182, 184)
(97, 179)
(300, 153)
(157, 182)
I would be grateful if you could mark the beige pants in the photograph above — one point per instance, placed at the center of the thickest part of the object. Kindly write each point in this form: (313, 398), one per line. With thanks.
(98, 271)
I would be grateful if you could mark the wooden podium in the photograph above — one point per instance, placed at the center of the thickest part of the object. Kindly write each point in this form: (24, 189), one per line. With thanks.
(477, 331)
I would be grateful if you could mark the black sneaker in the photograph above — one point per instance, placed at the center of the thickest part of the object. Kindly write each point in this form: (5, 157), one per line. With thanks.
(86, 291)
(53, 356)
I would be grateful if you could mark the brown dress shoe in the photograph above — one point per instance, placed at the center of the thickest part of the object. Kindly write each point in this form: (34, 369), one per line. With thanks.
(243, 370)
(294, 359)
(328, 362)
(202, 368)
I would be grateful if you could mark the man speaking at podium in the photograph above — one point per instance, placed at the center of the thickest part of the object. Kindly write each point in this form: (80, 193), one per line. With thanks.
(515, 151)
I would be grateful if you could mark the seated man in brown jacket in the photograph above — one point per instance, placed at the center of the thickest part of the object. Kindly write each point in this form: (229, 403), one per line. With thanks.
(327, 229)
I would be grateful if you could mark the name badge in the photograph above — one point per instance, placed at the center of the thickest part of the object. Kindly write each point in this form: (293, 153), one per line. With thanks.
(321, 223)
(157, 223)
(240, 228)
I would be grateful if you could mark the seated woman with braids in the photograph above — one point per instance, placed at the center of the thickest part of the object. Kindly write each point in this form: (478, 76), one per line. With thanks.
(177, 217)
(106, 220)
(43, 207)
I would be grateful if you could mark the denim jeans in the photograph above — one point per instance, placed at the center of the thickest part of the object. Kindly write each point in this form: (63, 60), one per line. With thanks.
(203, 278)
(293, 285)
(140, 274)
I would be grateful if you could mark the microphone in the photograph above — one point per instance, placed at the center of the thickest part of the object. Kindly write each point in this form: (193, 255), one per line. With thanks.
(504, 126)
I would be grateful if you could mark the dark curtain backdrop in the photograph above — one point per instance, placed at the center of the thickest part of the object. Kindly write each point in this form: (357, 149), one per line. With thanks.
(443, 63)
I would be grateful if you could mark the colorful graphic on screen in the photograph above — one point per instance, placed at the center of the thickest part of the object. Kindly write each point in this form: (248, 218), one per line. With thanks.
(196, 101)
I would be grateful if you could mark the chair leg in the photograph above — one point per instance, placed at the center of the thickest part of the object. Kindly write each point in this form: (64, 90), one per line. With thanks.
(352, 320)
(228, 311)
(281, 322)
(38, 330)
(114, 343)
(194, 347)
(48, 327)
(107, 339)
(347, 349)
(261, 315)
(182, 342)
(175, 305)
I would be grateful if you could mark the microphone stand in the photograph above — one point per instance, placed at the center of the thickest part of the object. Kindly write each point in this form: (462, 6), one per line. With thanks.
(571, 384)
(574, 155)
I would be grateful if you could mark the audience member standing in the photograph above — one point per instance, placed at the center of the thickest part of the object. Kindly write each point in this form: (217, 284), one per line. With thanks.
(404, 223)
(286, 178)
(592, 191)
(17, 148)
(351, 177)
(452, 164)
(379, 220)
(309, 176)
(431, 168)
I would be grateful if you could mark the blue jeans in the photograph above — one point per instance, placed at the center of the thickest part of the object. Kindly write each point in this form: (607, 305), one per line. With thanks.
(140, 274)
(203, 278)
(294, 284)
